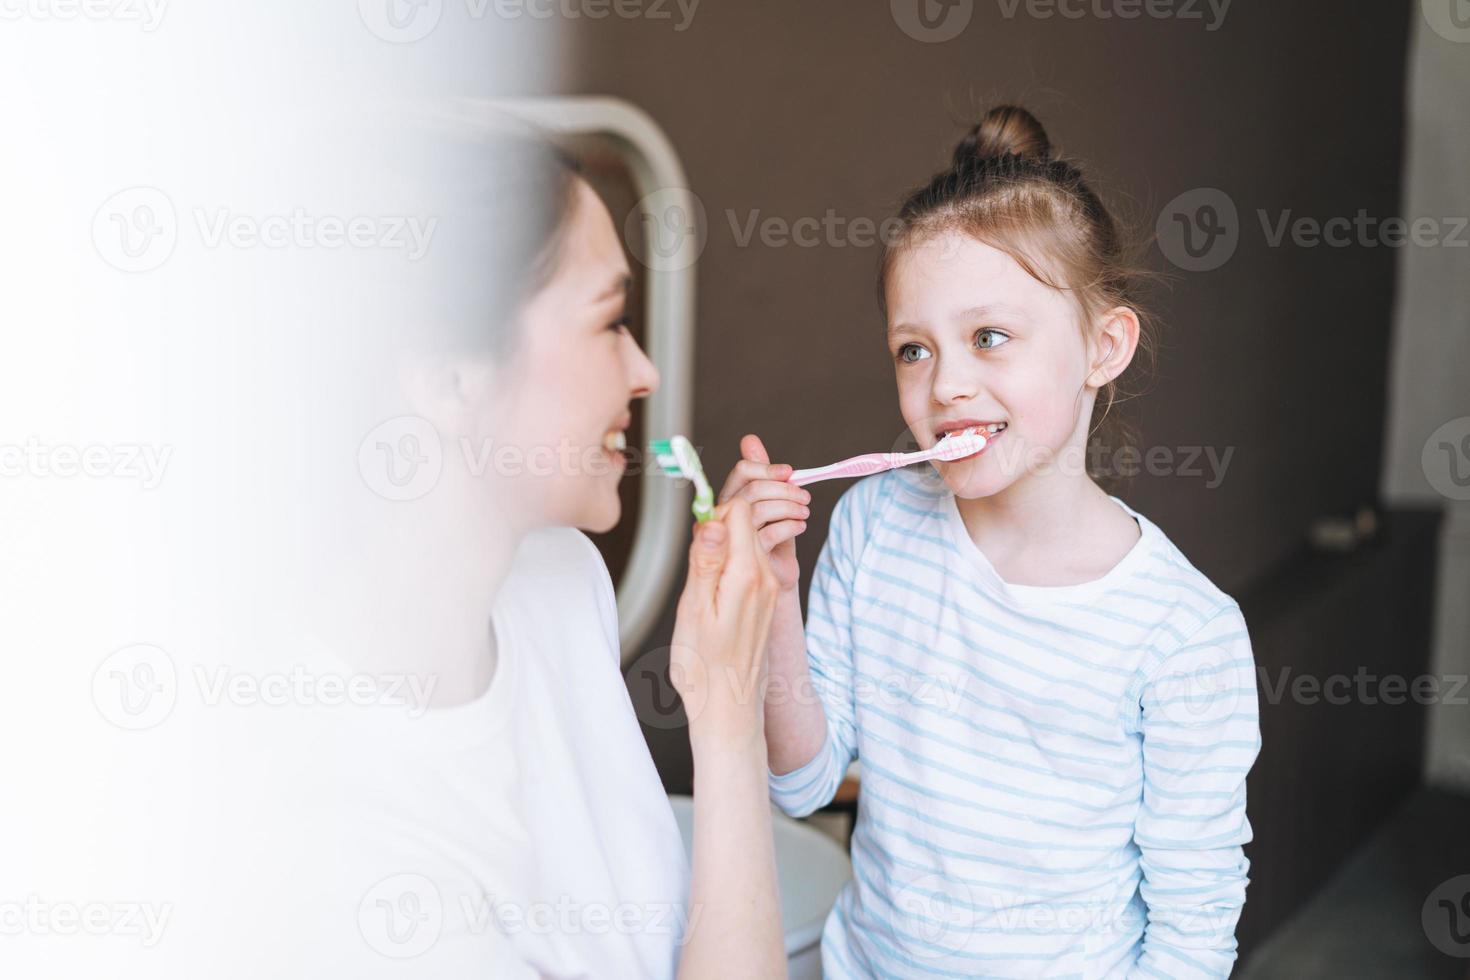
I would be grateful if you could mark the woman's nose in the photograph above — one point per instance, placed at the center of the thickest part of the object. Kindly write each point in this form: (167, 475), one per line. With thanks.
(643, 375)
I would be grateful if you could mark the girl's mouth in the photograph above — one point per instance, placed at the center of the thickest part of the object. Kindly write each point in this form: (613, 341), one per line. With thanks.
(990, 430)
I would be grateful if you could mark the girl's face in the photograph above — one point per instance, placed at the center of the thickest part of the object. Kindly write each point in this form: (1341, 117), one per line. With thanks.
(976, 340)
(565, 394)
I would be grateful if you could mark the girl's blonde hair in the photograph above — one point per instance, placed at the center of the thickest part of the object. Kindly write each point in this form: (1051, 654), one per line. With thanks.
(1007, 188)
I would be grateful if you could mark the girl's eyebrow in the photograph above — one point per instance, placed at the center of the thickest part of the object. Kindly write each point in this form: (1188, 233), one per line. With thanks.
(982, 312)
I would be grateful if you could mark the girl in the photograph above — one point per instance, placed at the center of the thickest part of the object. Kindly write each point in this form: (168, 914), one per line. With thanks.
(1054, 711)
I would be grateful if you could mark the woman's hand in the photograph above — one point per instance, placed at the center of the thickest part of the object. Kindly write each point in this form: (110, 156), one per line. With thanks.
(718, 665)
(779, 509)
(717, 660)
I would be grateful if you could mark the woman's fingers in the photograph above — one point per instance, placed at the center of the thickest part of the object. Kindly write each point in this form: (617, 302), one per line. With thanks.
(742, 565)
(708, 553)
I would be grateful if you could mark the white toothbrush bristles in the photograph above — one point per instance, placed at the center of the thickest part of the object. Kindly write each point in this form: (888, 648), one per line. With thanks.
(960, 446)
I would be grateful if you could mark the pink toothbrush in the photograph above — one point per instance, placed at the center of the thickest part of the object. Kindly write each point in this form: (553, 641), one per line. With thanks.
(948, 449)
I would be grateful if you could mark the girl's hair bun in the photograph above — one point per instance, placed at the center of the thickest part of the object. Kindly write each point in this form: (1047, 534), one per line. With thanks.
(1006, 130)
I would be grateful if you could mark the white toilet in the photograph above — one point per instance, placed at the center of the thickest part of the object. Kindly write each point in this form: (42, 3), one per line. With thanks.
(811, 869)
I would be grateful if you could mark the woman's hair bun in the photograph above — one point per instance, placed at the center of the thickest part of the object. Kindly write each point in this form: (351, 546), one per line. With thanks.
(1006, 130)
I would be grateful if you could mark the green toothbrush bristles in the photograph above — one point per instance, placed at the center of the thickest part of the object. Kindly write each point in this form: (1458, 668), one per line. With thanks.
(677, 457)
(663, 454)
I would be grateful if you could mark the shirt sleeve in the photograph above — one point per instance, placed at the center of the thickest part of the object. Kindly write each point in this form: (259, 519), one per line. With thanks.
(829, 654)
(1201, 732)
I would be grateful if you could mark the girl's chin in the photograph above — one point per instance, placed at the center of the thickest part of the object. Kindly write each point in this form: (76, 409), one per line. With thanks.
(969, 481)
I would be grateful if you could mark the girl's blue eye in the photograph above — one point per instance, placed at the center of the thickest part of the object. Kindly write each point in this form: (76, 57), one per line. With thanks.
(910, 353)
(989, 339)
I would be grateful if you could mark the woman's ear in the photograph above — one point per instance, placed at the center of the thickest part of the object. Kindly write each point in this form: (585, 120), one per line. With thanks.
(1114, 344)
(449, 391)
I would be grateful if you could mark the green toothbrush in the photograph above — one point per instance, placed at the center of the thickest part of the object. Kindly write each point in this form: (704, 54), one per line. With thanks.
(676, 457)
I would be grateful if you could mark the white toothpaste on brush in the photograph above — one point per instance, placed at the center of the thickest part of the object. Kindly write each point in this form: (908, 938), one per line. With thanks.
(953, 445)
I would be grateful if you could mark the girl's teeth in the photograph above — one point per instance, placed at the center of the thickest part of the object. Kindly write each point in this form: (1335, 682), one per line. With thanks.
(615, 442)
(979, 430)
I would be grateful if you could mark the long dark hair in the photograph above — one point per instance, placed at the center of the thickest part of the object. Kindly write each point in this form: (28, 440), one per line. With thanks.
(503, 197)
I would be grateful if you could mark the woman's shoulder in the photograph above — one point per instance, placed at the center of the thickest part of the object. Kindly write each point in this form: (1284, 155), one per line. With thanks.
(561, 556)
(559, 577)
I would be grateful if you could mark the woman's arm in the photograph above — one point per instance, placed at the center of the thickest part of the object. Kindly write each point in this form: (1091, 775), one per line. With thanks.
(717, 664)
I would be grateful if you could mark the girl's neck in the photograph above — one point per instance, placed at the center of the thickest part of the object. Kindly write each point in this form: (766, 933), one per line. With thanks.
(1049, 529)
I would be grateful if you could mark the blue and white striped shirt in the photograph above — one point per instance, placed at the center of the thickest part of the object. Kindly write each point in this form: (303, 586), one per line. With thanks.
(1053, 778)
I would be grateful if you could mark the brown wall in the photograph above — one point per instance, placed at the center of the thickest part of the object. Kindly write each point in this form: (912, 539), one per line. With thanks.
(793, 108)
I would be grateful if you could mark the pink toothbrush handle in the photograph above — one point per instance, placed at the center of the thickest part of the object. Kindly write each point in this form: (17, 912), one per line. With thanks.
(856, 466)
(875, 463)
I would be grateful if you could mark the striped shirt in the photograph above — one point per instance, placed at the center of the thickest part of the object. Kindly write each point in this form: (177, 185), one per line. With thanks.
(1053, 778)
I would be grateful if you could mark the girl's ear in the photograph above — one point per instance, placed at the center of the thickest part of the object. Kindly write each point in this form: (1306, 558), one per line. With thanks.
(1114, 344)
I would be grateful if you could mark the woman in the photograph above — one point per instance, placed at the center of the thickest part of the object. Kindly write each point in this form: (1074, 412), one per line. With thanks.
(519, 828)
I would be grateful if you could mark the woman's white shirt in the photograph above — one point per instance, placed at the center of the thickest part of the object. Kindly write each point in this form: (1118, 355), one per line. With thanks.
(525, 834)
(607, 892)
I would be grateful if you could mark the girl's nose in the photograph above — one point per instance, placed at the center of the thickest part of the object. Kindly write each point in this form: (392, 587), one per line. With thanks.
(642, 374)
(952, 386)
